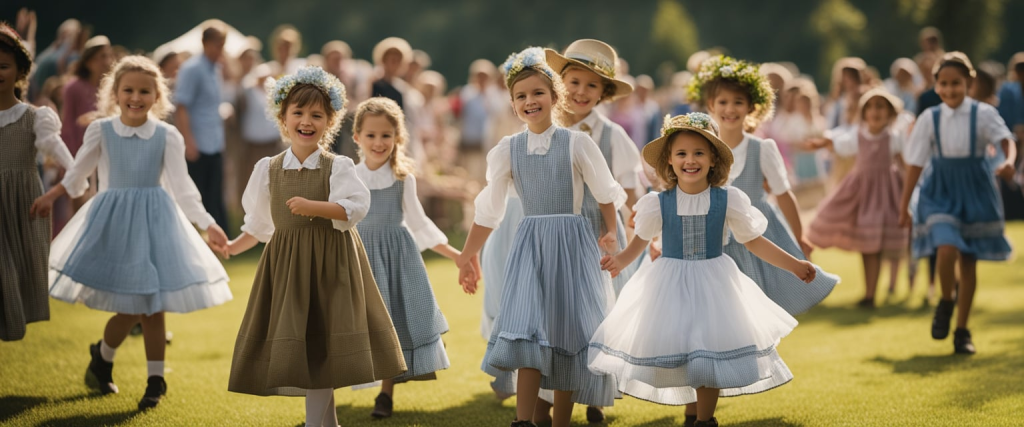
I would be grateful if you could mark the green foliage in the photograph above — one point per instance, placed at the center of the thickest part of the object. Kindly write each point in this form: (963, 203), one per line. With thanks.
(840, 27)
(673, 30)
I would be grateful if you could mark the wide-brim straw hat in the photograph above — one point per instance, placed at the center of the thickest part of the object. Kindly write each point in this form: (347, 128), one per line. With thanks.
(881, 92)
(593, 55)
(389, 43)
(695, 122)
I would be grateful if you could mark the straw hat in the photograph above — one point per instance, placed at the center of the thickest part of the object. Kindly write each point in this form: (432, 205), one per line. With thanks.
(696, 122)
(389, 43)
(96, 41)
(881, 92)
(593, 55)
(954, 57)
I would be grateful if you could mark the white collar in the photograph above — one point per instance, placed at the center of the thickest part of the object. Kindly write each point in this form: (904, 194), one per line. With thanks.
(682, 194)
(145, 131)
(546, 134)
(383, 177)
(593, 120)
(292, 162)
(963, 109)
(13, 114)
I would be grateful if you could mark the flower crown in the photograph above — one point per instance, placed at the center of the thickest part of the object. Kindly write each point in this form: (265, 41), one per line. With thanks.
(531, 57)
(700, 121)
(725, 67)
(11, 33)
(278, 90)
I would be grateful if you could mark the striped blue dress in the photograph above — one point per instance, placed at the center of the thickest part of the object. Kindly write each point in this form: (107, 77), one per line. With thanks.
(555, 294)
(781, 286)
(402, 279)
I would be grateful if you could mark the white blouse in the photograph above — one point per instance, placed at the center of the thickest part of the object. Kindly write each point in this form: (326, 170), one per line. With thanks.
(345, 189)
(174, 177)
(746, 222)
(47, 129)
(846, 142)
(954, 123)
(423, 230)
(588, 167)
(772, 166)
(625, 156)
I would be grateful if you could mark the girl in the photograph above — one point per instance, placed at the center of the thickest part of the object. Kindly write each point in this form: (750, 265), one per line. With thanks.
(848, 80)
(705, 329)
(130, 249)
(739, 98)
(588, 71)
(25, 235)
(959, 213)
(862, 215)
(315, 319)
(555, 295)
(394, 231)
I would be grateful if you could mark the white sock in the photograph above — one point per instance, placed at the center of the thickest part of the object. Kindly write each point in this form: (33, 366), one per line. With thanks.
(330, 414)
(155, 368)
(316, 401)
(107, 352)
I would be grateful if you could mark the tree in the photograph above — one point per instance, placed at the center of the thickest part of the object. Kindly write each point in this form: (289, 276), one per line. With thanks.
(674, 32)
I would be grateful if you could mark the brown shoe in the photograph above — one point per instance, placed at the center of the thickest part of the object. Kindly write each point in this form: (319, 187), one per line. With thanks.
(595, 414)
(382, 406)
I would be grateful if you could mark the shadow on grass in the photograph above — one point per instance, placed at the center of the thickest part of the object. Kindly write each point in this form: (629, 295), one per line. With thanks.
(660, 422)
(931, 364)
(13, 406)
(851, 315)
(767, 422)
(111, 419)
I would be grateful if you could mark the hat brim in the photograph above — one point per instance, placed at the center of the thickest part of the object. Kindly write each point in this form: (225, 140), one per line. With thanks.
(652, 151)
(558, 63)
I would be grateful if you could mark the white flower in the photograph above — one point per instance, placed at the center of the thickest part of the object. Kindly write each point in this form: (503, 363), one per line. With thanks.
(726, 71)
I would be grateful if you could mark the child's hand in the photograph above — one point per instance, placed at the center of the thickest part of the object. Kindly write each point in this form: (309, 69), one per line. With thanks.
(469, 272)
(806, 248)
(300, 206)
(218, 240)
(612, 264)
(609, 243)
(1006, 171)
(632, 220)
(655, 252)
(41, 207)
(905, 218)
(805, 271)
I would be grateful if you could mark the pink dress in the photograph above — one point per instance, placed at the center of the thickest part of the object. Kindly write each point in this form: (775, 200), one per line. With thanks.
(862, 214)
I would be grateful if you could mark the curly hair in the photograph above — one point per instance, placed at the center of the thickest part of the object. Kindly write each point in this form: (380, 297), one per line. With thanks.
(10, 43)
(303, 95)
(400, 162)
(107, 96)
(561, 113)
(718, 175)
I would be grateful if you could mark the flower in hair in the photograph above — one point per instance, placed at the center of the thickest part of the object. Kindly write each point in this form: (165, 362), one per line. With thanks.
(531, 57)
(278, 90)
(700, 121)
(725, 67)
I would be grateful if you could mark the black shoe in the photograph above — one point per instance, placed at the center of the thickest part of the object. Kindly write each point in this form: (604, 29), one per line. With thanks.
(524, 423)
(690, 421)
(382, 406)
(155, 389)
(99, 374)
(713, 422)
(940, 323)
(962, 343)
(866, 303)
(595, 414)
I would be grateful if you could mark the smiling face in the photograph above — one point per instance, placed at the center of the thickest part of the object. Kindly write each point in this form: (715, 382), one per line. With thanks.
(951, 84)
(691, 159)
(730, 107)
(376, 138)
(877, 114)
(305, 125)
(532, 101)
(8, 72)
(136, 94)
(585, 89)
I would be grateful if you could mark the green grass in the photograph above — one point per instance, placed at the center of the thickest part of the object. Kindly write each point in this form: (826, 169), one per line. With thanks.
(852, 367)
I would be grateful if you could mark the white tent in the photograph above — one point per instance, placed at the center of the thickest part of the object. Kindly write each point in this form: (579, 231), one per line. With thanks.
(192, 42)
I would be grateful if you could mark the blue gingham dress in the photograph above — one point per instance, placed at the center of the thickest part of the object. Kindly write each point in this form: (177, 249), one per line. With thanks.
(780, 285)
(555, 294)
(402, 279)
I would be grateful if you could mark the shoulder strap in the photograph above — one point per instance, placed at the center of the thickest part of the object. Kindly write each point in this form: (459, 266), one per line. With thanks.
(974, 128)
(715, 222)
(936, 115)
(671, 225)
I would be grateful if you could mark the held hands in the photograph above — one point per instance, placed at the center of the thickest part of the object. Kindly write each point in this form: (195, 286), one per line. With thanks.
(613, 264)
(805, 271)
(41, 207)
(469, 272)
(905, 218)
(1006, 171)
(609, 243)
(218, 241)
(301, 206)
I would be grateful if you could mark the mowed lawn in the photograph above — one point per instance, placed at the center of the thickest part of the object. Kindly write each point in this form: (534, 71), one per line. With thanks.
(852, 367)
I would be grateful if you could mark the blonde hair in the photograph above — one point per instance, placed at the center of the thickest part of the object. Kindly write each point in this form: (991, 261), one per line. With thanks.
(106, 102)
(303, 94)
(560, 114)
(717, 174)
(400, 162)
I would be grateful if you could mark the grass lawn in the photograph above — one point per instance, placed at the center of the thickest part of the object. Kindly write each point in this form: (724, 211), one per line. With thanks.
(851, 366)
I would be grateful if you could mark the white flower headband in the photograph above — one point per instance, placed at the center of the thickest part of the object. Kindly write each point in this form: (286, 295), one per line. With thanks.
(531, 57)
(278, 90)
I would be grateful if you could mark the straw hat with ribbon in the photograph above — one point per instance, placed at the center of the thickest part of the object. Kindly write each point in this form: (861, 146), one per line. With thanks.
(593, 55)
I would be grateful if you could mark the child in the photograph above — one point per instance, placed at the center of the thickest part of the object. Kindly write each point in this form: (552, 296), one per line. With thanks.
(25, 236)
(862, 215)
(588, 71)
(315, 319)
(739, 99)
(691, 327)
(394, 231)
(130, 249)
(555, 294)
(959, 213)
